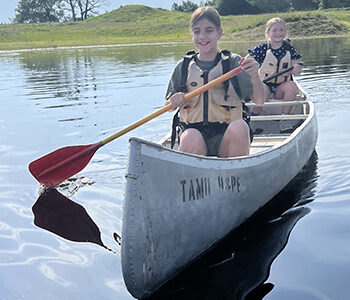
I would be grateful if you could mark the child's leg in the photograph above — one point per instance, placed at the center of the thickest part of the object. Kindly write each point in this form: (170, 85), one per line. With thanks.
(191, 141)
(286, 91)
(236, 140)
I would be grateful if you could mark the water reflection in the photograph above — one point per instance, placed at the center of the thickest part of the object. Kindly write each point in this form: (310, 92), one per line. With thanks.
(71, 79)
(55, 212)
(58, 214)
(242, 275)
(75, 77)
(324, 52)
(238, 267)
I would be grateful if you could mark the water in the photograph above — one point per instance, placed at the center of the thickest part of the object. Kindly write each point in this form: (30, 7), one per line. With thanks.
(55, 98)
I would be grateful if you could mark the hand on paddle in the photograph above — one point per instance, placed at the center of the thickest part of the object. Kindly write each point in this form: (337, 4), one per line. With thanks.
(250, 65)
(176, 100)
(298, 66)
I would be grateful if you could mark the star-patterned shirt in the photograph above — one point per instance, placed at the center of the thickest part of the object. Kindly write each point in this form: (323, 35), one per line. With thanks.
(259, 52)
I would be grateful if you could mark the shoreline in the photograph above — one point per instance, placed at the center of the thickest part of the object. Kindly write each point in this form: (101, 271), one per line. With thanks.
(53, 48)
(87, 47)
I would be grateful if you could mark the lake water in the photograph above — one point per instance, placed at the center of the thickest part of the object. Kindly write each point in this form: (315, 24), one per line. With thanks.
(61, 97)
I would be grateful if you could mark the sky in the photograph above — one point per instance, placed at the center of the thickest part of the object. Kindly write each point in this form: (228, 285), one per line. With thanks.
(8, 6)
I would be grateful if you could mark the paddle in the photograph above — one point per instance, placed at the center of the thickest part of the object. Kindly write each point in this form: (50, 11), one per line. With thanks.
(278, 74)
(282, 72)
(55, 167)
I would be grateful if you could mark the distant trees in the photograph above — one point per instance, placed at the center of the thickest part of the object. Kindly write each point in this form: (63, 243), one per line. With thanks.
(207, 3)
(271, 6)
(37, 11)
(81, 9)
(305, 4)
(185, 6)
(189, 6)
(324, 4)
(240, 7)
(235, 7)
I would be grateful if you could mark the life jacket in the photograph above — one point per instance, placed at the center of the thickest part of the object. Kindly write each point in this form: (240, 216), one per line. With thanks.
(219, 104)
(272, 65)
(228, 103)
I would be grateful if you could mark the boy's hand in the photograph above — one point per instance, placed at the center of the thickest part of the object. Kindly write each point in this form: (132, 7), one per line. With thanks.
(177, 100)
(250, 65)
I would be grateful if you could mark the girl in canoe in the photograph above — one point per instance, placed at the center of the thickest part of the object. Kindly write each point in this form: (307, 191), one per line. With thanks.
(213, 123)
(274, 56)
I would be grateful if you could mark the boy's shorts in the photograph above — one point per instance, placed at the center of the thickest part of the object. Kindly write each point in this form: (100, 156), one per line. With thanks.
(212, 134)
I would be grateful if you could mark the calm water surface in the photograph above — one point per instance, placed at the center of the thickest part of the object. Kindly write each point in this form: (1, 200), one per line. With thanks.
(55, 98)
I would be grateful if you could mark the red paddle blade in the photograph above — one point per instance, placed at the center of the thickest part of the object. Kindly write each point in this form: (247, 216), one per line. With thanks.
(57, 166)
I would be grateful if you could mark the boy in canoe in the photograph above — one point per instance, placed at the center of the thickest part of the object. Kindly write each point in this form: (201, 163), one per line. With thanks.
(274, 56)
(213, 123)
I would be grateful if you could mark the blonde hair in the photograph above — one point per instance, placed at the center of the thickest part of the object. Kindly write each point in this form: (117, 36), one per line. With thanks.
(206, 12)
(271, 22)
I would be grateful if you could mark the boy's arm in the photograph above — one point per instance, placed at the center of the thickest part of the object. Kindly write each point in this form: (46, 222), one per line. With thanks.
(251, 66)
(175, 81)
(173, 94)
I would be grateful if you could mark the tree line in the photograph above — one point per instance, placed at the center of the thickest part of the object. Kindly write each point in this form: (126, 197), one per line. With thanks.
(241, 7)
(38, 11)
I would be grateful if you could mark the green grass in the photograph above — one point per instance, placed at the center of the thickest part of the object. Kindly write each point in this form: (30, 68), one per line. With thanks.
(142, 24)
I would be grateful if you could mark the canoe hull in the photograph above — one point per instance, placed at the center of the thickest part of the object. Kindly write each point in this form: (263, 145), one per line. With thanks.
(179, 205)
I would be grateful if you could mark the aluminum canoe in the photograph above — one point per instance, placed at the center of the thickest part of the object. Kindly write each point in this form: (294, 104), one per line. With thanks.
(179, 205)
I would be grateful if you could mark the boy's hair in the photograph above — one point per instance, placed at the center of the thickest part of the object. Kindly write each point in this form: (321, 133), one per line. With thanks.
(206, 12)
(271, 22)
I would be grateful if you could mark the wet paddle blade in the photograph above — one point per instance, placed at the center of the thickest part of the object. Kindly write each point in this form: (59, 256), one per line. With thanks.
(57, 166)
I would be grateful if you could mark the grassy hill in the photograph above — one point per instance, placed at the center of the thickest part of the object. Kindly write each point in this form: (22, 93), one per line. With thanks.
(143, 24)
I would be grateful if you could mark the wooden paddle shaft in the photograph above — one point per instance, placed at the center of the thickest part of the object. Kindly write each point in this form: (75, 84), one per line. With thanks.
(167, 107)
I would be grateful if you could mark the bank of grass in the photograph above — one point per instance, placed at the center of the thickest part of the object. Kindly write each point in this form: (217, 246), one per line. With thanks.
(142, 24)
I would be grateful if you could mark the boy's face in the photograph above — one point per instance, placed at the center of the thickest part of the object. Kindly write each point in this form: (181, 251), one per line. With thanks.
(277, 32)
(205, 36)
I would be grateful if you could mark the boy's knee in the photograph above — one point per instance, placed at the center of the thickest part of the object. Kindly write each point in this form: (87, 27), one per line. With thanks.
(191, 134)
(237, 129)
(192, 141)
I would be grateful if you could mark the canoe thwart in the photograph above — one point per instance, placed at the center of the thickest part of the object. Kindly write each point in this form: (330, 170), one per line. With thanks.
(277, 103)
(278, 117)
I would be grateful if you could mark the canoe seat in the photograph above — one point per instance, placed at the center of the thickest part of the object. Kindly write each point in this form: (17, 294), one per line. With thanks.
(265, 142)
(260, 143)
